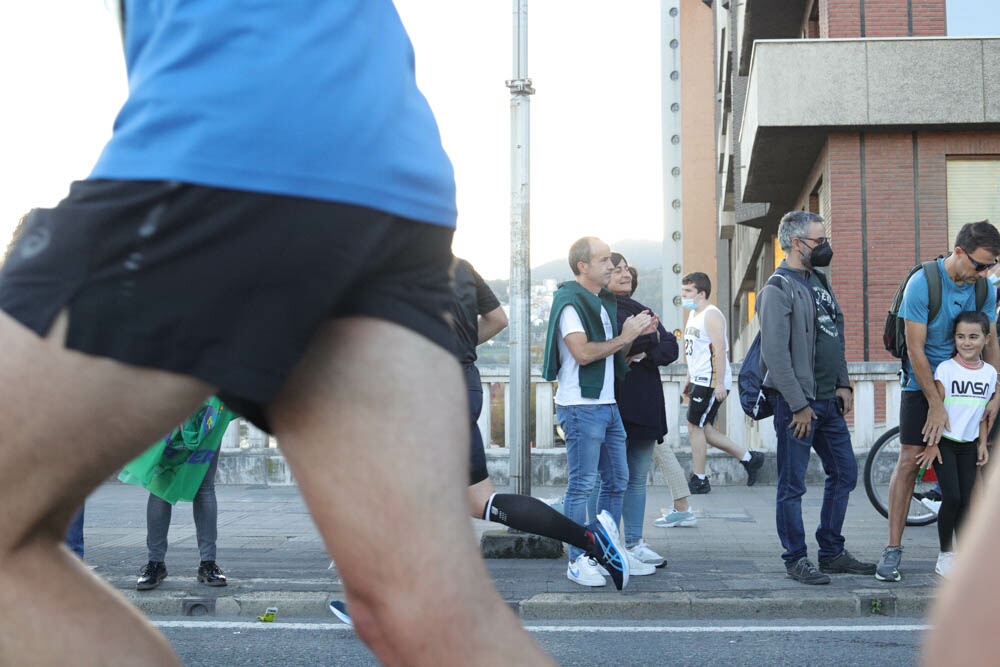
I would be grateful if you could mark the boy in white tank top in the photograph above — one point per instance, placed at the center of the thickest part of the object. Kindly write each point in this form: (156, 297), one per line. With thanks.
(706, 351)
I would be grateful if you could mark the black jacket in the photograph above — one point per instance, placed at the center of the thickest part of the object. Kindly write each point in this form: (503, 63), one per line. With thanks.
(640, 394)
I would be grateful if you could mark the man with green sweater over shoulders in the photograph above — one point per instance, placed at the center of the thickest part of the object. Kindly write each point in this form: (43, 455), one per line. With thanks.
(584, 352)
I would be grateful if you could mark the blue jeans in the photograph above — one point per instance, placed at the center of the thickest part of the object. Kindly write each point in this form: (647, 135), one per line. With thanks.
(832, 442)
(595, 444)
(639, 455)
(74, 534)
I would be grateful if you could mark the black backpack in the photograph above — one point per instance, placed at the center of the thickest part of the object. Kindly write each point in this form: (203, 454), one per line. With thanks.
(750, 383)
(894, 335)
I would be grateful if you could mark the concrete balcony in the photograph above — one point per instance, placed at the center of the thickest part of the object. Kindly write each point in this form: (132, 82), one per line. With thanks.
(801, 90)
(250, 457)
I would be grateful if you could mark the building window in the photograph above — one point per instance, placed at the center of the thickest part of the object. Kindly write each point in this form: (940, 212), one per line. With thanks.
(973, 192)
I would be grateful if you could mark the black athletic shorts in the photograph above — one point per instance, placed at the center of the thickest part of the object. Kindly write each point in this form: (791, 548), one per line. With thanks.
(912, 417)
(702, 406)
(226, 286)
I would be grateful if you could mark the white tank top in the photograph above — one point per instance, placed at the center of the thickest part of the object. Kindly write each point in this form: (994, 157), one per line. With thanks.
(699, 352)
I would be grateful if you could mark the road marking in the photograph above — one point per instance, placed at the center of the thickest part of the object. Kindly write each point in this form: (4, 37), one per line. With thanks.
(694, 629)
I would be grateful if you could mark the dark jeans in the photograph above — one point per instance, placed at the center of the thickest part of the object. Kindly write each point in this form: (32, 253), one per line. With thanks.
(74, 534)
(832, 442)
(206, 518)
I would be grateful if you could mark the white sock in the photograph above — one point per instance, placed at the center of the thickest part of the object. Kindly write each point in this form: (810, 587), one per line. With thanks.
(746, 456)
(699, 476)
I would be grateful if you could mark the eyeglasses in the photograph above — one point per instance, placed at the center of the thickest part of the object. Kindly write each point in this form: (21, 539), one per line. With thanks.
(819, 241)
(979, 266)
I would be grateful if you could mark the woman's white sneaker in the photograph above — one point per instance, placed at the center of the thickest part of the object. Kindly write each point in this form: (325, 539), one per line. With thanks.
(642, 553)
(585, 571)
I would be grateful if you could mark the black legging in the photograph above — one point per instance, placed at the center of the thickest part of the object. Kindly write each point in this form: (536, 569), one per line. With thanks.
(956, 475)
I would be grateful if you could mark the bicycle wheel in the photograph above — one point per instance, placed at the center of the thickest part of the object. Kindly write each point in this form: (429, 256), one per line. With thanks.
(879, 464)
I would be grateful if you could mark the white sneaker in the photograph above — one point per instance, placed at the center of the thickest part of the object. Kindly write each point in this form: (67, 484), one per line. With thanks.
(585, 571)
(636, 568)
(644, 554)
(945, 562)
(932, 505)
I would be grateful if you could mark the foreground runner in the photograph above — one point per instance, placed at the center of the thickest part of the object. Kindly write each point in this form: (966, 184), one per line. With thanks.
(270, 221)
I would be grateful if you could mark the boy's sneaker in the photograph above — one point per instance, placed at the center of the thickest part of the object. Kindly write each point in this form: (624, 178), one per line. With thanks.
(753, 466)
(606, 550)
(845, 563)
(805, 572)
(210, 574)
(888, 565)
(676, 518)
(583, 571)
(699, 486)
(945, 561)
(642, 553)
(151, 575)
(339, 609)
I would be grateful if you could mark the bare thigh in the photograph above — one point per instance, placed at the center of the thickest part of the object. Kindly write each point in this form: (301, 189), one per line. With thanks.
(68, 420)
(374, 423)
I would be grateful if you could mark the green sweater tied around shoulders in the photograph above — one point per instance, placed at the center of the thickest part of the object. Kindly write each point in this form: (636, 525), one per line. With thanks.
(588, 306)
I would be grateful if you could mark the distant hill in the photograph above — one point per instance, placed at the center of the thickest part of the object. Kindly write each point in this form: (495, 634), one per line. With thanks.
(643, 255)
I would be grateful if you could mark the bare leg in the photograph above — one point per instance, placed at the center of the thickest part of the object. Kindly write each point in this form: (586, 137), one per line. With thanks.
(478, 495)
(374, 423)
(722, 441)
(67, 422)
(699, 448)
(901, 491)
(963, 620)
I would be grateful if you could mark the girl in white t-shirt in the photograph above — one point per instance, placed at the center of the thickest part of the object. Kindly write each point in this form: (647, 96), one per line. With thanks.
(965, 383)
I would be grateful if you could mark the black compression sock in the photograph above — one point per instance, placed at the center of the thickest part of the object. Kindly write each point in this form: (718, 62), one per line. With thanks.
(531, 515)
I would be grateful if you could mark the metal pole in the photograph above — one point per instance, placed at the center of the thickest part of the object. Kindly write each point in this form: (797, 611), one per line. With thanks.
(520, 266)
(673, 210)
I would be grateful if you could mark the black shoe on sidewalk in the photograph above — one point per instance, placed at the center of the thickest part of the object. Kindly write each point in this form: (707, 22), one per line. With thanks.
(845, 563)
(210, 574)
(805, 572)
(753, 466)
(697, 486)
(151, 575)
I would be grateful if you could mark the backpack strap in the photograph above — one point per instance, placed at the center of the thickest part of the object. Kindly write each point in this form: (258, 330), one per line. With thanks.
(933, 276)
(934, 290)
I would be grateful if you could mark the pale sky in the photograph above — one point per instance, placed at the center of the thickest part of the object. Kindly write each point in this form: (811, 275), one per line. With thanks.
(595, 119)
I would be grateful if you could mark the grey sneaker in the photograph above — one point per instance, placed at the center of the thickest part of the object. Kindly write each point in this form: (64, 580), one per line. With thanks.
(805, 572)
(888, 565)
(753, 466)
(845, 563)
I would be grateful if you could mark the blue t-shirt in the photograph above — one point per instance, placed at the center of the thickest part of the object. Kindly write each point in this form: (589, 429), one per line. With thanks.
(293, 97)
(955, 298)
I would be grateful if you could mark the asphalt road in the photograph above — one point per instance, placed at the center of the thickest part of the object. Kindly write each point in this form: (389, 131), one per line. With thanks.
(893, 641)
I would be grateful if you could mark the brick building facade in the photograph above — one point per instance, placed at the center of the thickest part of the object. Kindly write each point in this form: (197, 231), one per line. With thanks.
(858, 110)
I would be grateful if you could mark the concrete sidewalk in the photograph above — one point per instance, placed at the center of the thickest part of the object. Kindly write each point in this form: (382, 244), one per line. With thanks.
(727, 566)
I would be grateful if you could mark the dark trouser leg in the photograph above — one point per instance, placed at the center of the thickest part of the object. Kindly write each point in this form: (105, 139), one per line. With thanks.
(792, 459)
(832, 443)
(206, 512)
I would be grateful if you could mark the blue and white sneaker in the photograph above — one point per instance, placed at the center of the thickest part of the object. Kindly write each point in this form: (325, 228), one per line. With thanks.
(339, 609)
(583, 571)
(676, 518)
(607, 552)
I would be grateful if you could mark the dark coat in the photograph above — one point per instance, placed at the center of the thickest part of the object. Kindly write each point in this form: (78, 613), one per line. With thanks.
(640, 394)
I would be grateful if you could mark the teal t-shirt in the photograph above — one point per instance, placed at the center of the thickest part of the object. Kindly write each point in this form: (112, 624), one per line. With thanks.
(940, 333)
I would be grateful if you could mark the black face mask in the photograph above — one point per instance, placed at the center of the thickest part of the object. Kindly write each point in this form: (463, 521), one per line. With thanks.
(821, 255)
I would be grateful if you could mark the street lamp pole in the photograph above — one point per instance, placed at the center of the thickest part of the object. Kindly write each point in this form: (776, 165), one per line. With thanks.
(518, 400)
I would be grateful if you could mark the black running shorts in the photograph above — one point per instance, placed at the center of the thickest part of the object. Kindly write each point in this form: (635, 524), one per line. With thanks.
(912, 417)
(225, 286)
(702, 406)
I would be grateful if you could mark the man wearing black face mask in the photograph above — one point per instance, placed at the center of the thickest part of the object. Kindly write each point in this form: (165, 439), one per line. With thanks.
(802, 352)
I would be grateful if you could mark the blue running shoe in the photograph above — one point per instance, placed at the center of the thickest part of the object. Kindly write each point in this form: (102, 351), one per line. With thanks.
(606, 550)
(339, 610)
